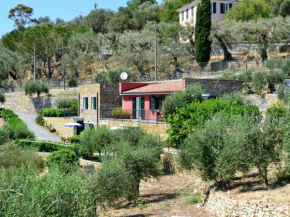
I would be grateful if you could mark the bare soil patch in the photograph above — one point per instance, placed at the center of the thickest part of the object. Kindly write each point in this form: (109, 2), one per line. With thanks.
(168, 196)
(251, 188)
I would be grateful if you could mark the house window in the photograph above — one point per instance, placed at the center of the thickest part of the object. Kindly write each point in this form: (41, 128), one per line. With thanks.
(182, 15)
(85, 102)
(93, 103)
(192, 11)
(187, 14)
(225, 7)
(155, 103)
(213, 8)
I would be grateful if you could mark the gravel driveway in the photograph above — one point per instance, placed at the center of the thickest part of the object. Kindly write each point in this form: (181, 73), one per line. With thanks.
(41, 133)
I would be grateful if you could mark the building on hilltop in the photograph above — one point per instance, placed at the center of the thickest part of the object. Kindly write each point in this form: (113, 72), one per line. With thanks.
(187, 13)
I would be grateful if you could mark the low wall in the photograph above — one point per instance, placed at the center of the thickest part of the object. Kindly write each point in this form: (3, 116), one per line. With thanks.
(32, 105)
(58, 124)
(224, 206)
(153, 128)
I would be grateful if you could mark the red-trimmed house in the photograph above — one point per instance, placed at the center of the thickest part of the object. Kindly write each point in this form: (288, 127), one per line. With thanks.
(145, 100)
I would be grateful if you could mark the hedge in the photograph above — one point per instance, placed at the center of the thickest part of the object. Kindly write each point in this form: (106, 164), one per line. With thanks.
(45, 146)
(52, 112)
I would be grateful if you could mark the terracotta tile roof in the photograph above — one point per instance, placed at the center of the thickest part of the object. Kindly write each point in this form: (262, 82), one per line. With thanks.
(162, 87)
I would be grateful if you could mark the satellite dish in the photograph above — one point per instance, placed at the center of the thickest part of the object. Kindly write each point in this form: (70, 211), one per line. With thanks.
(124, 76)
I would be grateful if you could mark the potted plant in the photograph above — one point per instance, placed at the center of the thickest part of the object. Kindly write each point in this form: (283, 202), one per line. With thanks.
(119, 113)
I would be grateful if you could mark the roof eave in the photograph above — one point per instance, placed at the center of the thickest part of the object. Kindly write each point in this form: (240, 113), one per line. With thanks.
(147, 93)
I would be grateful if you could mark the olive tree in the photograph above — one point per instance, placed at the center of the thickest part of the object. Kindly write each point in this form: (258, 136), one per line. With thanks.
(35, 87)
(136, 49)
(224, 34)
(227, 144)
(264, 33)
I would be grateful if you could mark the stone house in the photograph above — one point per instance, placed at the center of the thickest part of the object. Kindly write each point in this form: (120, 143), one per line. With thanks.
(96, 101)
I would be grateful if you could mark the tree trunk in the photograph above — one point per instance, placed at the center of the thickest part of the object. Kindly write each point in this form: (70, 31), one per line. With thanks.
(13, 75)
(264, 55)
(49, 67)
(227, 54)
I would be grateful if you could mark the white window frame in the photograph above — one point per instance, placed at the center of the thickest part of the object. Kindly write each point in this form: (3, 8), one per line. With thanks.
(84, 104)
(93, 103)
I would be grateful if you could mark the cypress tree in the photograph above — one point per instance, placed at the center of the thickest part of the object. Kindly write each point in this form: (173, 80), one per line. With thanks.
(202, 33)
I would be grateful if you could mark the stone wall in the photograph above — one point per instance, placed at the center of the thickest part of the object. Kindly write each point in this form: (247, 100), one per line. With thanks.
(58, 124)
(153, 128)
(31, 105)
(225, 206)
(216, 87)
(263, 102)
(110, 99)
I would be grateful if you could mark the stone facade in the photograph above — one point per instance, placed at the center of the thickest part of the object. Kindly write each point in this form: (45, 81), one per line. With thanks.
(225, 206)
(216, 87)
(153, 128)
(89, 91)
(107, 97)
(58, 124)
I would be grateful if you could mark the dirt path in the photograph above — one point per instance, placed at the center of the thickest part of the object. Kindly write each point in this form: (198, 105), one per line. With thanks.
(41, 133)
(165, 197)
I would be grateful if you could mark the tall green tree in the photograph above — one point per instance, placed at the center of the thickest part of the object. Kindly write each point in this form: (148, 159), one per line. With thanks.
(21, 15)
(279, 7)
(249, 10)
(202, 32)
(98, 20)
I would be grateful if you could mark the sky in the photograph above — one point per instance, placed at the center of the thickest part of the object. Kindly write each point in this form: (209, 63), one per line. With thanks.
(64, 9)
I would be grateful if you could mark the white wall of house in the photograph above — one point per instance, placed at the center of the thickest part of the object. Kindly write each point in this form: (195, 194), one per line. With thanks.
(187, 14)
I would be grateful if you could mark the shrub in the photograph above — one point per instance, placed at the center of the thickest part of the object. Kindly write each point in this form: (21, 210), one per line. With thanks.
(52, 194)
(35, 87)
(195, 198)
(101, 78)
(6, 114)
(75, 139)
(64, 103)
(74, 107)
(64, 159)
(283, 93)
(51, 112)
(5, 134)
(25, 157)
(194, 115)
(259, 81)
(180, 99)
(119, 112)
(21, 132)
(113, 183)
(2, 97)
(72, 82)
(88, 143)
(39, 120)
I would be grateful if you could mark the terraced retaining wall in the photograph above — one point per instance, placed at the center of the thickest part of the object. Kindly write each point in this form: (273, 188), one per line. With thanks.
(224, 206)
